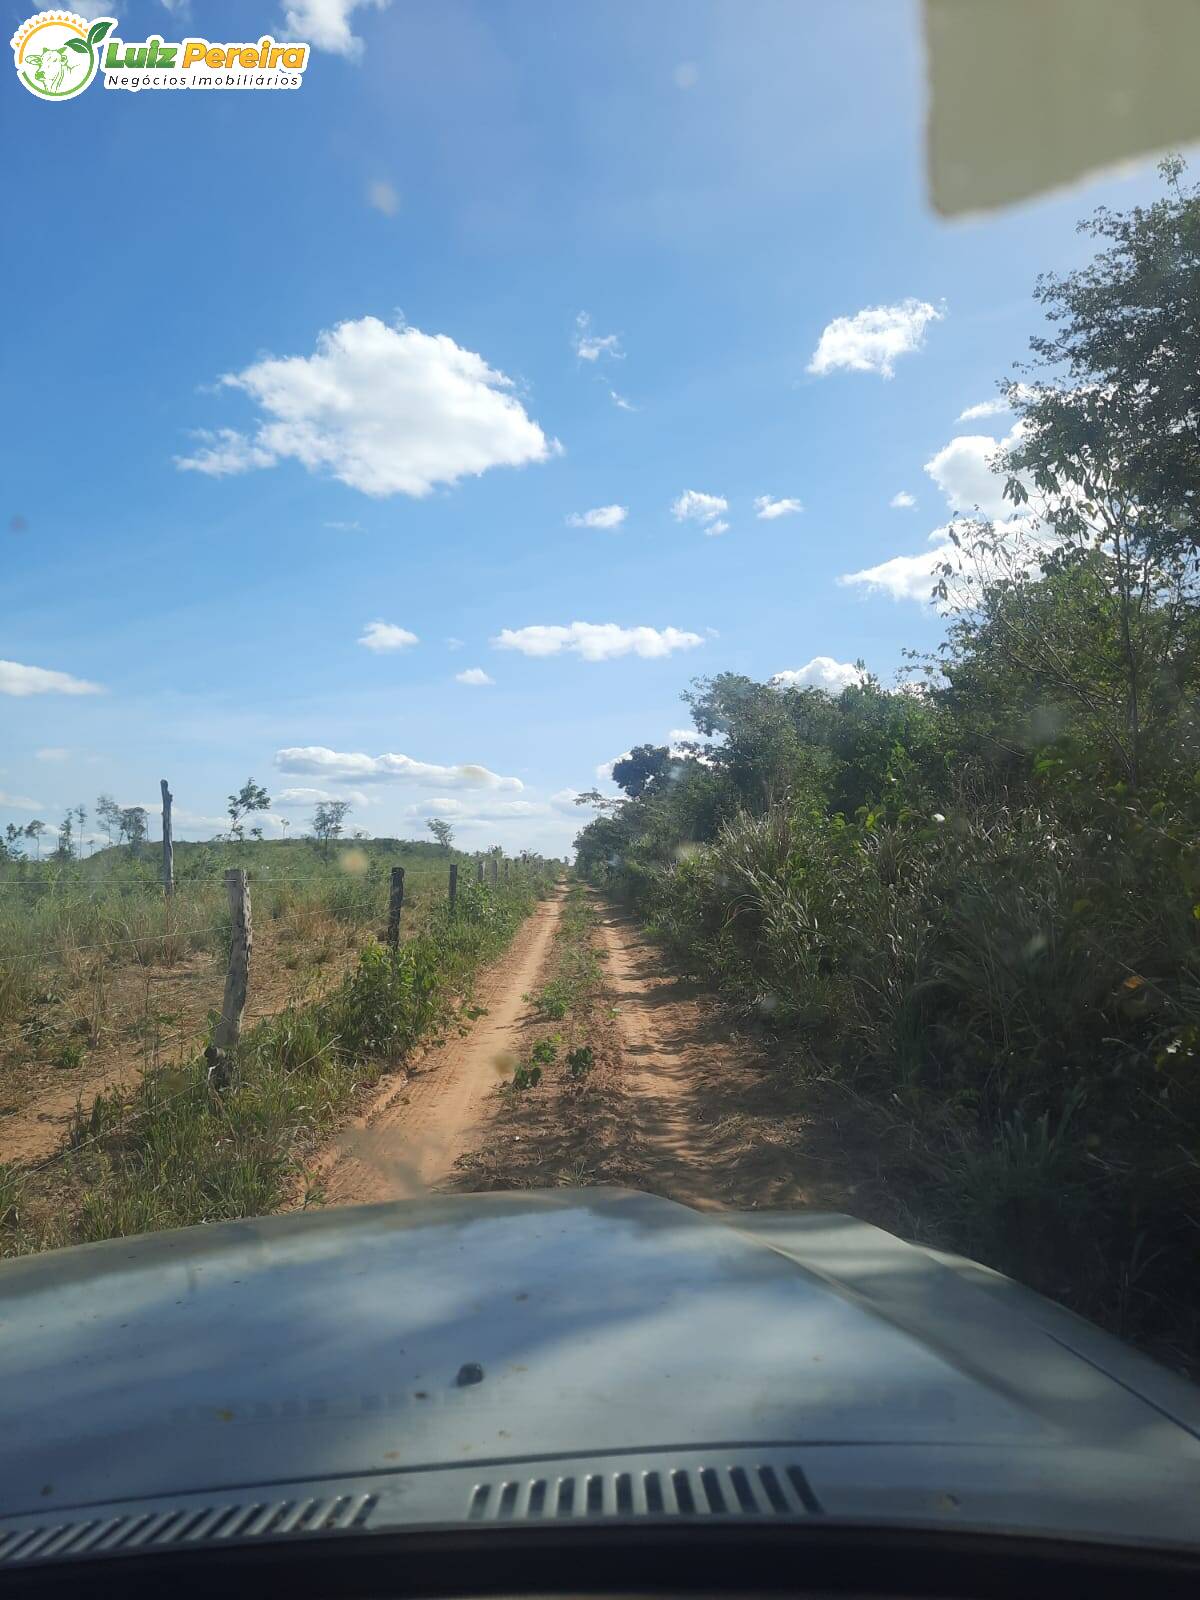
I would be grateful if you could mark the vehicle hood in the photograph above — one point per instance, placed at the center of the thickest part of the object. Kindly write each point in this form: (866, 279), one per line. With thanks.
(442, 1342)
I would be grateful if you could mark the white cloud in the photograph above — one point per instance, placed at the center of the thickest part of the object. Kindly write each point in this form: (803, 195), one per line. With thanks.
(902, 501)
(904, 577)
(454, 644)
(872, 340)
(319, 761)
(325, 24)
(591, 346)
(595, 641)
(962, 471)
(308, 797)
(19, 802)
(620, 401)
(223, 452)
(767, 509)
(387, 410)
(564, 800)
(381, 636)
(985, 408)
(604, 768)
(383, 197)
(822, 672)
(51, 753)
(706, 509)
(598, 517)
(18, 680)
(474, 677)
(997, 406)
(343, 527)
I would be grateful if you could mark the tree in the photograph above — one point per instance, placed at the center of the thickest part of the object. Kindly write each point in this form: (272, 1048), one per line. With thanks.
(13, 835)
(328, 821)
(133, 827)
(34, 830)
(65, 850)
(442, 832)
(80, 815)
(250, 797)
(1105, 469)
(108, 815)
(645, 768)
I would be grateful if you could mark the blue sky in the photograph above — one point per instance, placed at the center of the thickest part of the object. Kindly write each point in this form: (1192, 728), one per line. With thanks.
(493, 267)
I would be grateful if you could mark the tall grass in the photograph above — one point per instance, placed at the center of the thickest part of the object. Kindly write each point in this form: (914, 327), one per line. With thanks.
(1020, 998)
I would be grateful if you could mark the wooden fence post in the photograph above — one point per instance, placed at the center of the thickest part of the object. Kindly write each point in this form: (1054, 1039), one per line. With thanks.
(495, 873)
(395, 906)
(507, 864)
(453, 886)
(168, 842)
(237, 979)
(479, 870)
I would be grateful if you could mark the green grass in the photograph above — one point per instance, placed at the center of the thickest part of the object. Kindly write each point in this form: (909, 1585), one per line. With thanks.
(178, 1151)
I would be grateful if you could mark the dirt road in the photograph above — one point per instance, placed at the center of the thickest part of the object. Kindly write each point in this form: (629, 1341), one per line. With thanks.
(409, 1138)
(677, 1103)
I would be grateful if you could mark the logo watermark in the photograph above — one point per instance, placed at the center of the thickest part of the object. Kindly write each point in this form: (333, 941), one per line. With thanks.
(58, 54)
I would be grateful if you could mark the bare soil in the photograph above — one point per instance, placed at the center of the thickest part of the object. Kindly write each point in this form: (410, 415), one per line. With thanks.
(677, 1102)
(408, 1137)
(151, 1015)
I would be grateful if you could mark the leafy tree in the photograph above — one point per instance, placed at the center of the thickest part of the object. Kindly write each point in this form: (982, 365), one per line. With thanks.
(34, 830)
(108, 815)
(442, 832)
(250, 797)
(80, 814)
(132, 827)
(13, 834)
(1105, 467)
(328, 821)
(645, 768)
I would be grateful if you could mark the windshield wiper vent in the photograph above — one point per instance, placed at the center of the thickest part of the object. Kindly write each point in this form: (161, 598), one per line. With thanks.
(754, 1491)
(189, 1525)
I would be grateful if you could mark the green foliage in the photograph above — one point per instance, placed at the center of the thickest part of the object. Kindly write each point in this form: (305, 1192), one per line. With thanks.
(978, 904)
(526, 1077)
(545, 1052)
(580, 1061)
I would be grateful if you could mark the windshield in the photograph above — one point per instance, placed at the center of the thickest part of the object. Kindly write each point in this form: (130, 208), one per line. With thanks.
(606, 596)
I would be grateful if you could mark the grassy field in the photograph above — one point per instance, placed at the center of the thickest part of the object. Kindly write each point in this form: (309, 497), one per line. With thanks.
(110, 990)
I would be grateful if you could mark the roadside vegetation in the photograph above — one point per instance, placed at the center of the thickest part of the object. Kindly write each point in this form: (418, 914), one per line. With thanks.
(185, 1145)
(973, 901)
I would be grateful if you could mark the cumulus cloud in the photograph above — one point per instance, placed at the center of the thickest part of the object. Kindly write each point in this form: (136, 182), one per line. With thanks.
(873, 339)
(904, 577)
(591, 346)
(319, 761)
(383, 197)
(325, 24)
(902, 501)
(474, 677)
(19, 802)
(963, 472)
(767, 509)
(598, 517)
(386, 410)
(595, 641)
(706, 509)
(383, 636)
(822, 672)
(19, 680)
(223, 452)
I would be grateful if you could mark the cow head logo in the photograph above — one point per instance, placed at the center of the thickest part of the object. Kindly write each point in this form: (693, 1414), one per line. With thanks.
(57, 53)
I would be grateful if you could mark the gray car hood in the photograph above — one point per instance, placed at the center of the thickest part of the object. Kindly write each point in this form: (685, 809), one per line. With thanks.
(435, 1361)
